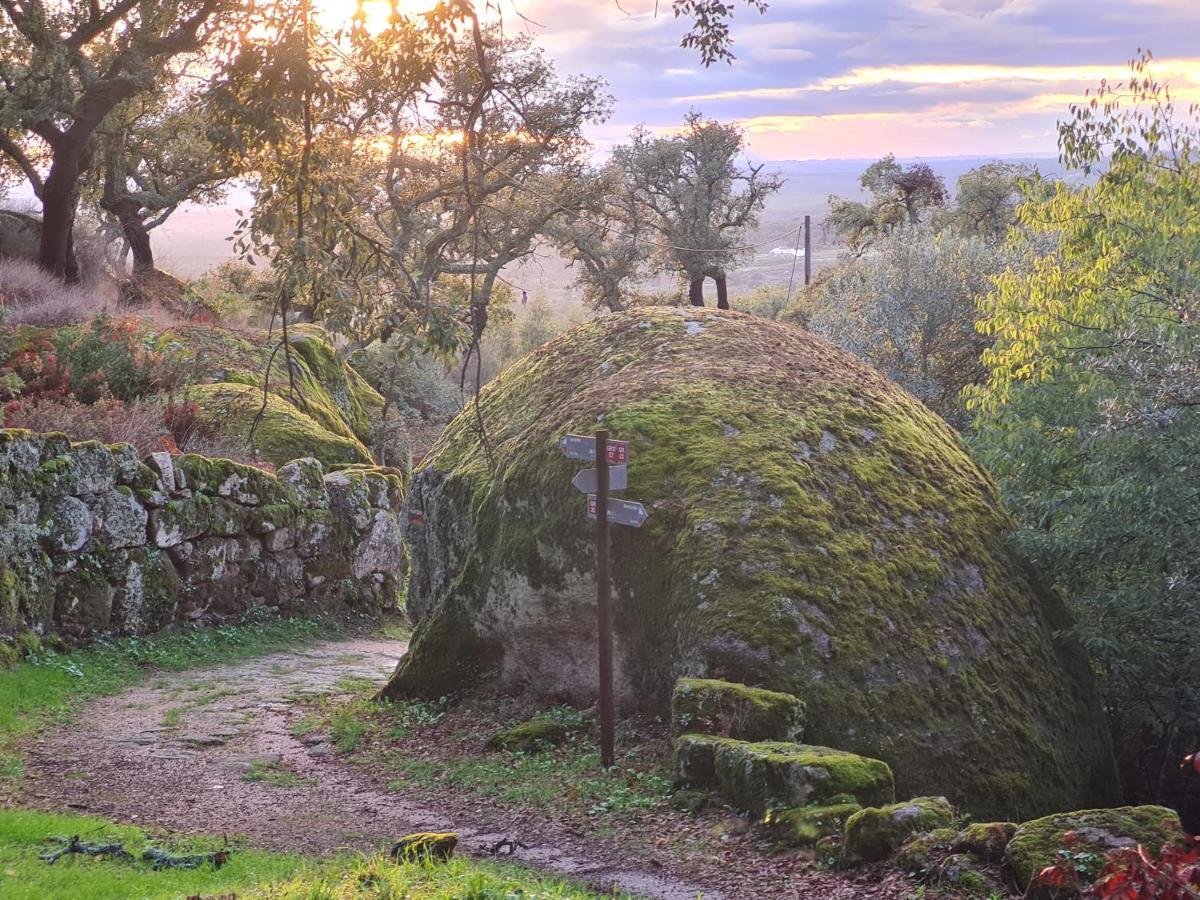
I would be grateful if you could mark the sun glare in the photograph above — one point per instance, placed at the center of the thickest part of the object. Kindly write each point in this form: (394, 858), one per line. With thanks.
(375, 12)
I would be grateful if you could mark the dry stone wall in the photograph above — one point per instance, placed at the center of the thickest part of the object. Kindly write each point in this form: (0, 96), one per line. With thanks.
(94, 540)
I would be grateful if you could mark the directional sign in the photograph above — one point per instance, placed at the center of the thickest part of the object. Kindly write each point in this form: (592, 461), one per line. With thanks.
(585, 479)
(579, 446)
(620, 512)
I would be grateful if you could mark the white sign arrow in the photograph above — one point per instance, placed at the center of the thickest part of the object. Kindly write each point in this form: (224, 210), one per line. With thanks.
(585, 480)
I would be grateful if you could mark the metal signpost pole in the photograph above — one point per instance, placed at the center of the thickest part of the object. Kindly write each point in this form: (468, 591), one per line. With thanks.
(604, 600)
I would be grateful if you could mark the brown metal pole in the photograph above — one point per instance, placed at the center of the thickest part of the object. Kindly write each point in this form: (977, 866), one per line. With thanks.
(807, 249)
(604, 600)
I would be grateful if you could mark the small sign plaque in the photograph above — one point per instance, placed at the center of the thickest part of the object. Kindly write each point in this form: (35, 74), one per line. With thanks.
(582, 447)
(585, 480)
(620, 512)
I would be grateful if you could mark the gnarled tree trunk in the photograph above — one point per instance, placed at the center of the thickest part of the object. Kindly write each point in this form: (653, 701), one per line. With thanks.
(696, 291)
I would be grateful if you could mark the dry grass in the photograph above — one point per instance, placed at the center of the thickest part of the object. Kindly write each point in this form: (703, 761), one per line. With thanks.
(138, 422)
(31, 296)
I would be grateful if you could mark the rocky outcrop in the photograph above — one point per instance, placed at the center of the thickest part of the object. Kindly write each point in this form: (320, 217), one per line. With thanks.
(813, 530)
(94, 540)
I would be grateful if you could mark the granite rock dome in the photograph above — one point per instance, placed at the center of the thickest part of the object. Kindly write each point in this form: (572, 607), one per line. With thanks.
(813, 529)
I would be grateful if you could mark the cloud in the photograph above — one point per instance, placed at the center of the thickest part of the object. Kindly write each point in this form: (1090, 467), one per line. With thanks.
(1183, 72)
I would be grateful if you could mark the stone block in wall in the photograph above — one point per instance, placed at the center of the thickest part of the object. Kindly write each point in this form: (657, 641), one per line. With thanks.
(118, 518)
(306, 478)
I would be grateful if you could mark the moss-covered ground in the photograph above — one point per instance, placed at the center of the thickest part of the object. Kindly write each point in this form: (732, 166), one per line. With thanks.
(249, 874)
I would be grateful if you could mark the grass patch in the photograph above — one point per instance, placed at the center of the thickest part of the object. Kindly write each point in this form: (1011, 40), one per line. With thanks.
(307, 725)
(171, 717)
(48, 686)
(429, 744)
(277, 775)
(248, 874)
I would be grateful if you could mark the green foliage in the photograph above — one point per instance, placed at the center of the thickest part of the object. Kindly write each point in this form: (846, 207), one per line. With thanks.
(248, 874)
(899, 195)
(767, 300)
(106, 356)
(700, 200)
(1088, 415)
(908, 308)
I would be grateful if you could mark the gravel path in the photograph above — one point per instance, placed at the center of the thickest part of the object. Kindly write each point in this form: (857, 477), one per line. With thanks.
(176, 751)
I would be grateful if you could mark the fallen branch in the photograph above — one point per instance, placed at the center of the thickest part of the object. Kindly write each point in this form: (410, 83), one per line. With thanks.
(158, 859)
(507, 847)
(74, 845)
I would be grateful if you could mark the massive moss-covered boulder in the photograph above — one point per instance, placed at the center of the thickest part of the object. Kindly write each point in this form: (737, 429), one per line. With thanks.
(813, 530)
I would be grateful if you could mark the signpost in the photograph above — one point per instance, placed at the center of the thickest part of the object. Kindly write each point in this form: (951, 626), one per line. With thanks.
(611, 474)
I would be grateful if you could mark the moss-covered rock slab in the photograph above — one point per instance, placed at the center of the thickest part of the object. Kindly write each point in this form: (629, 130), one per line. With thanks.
(710, 706)
(1036, 844)
(986, 840)
(813, 530)
(803, 826)
(530, 737)
(771, 774)
(872, 834)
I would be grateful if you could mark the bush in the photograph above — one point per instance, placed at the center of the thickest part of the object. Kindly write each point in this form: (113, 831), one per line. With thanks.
(113, 357)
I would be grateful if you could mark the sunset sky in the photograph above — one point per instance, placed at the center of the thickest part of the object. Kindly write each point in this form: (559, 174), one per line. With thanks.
(819, 79)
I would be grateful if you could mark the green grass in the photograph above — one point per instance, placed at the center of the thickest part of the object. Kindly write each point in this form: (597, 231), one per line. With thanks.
(276, 775)
(248, 874)
(541, 781)
(48, 687)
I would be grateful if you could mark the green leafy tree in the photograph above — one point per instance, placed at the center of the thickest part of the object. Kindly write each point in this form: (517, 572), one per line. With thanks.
(899, 194)
(908, 308)
(986, 200)
(64, 68)
(154, 155)
(1089, 412)
(700, 200)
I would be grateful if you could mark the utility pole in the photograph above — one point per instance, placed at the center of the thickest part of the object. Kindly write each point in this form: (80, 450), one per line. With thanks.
(807, 249)
(604, 600)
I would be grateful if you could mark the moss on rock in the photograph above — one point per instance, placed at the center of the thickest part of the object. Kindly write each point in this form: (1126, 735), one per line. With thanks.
(803, 826)
(872, 834)
(530, 737)
(709, 706)
(813, 530)
(282, 434)
(1036, 844)
(986, 840)
(771, 774)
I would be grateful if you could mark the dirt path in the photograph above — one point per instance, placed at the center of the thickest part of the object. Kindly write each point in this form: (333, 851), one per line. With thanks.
(176, 753)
